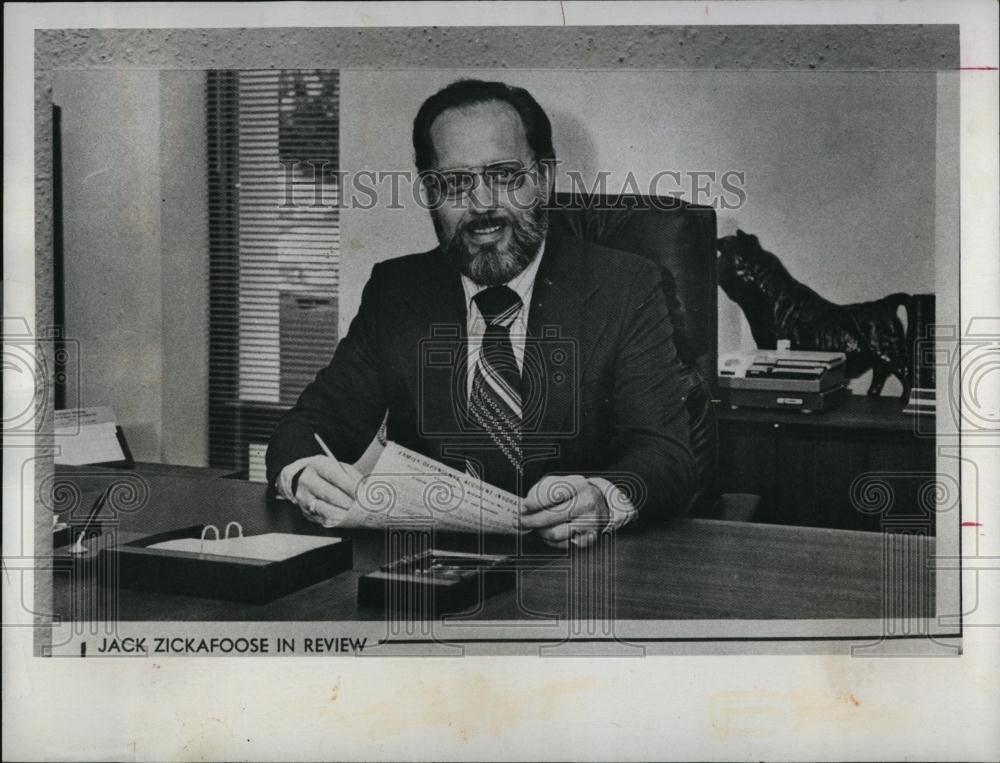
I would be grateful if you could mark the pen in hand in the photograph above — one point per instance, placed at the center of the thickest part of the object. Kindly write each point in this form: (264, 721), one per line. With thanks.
(328, 452)
(340, 468)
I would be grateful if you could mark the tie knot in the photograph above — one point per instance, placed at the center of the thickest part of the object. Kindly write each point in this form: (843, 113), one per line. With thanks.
(498, 304)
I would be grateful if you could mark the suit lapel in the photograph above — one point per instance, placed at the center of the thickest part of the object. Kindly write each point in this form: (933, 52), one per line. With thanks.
(558, 344)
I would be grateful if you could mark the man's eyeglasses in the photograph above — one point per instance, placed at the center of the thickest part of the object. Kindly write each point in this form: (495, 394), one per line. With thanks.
(460, 181)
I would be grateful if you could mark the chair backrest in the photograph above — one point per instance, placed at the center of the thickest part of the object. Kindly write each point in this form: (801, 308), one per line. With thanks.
(680, 238)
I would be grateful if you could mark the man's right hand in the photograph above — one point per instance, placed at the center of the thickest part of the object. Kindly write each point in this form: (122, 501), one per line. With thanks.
(325, 490)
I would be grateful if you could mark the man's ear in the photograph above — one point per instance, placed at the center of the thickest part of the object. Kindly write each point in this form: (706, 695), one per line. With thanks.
(428, 199)
(425, 196)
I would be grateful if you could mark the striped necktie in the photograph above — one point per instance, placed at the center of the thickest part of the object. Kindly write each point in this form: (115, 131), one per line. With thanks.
(495, 403)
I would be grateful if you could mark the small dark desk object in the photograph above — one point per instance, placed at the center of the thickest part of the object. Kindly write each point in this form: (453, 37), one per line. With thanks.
(74, 534)
(66, 533)
(435, 581)
(223, 577)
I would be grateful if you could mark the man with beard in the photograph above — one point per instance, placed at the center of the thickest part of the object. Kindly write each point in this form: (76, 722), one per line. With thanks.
(563, 384)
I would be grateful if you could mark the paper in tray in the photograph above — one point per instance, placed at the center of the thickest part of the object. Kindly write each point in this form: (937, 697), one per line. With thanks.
(254, 568)
(269, 547)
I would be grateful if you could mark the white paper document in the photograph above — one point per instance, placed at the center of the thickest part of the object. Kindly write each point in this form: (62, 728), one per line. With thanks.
(405, 487)
(269, 547)
(87, 436)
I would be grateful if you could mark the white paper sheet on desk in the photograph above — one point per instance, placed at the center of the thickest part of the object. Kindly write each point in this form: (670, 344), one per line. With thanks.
(405, 487)
(268, 547)
(87, 436)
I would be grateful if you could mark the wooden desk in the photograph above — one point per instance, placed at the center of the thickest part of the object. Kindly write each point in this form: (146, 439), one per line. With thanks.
(683, 570)
(803, 464)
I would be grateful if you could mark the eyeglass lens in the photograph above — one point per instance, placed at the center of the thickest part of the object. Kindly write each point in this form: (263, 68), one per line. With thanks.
(503, 175)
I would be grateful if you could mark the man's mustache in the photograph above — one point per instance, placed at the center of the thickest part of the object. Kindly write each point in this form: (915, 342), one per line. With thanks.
(481, 220)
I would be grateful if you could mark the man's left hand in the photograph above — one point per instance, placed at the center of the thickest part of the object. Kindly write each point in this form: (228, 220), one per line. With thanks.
(565, 509)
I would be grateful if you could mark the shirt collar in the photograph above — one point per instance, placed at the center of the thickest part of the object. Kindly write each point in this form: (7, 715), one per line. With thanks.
(522, 283)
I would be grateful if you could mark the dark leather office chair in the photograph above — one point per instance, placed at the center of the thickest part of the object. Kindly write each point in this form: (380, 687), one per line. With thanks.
(681, 239)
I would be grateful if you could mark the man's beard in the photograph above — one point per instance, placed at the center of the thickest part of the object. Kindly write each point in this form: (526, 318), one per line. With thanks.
(494, 264)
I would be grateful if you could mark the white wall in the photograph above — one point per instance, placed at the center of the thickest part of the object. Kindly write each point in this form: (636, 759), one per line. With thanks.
(840, 167)
(184, 260)
(136, 252)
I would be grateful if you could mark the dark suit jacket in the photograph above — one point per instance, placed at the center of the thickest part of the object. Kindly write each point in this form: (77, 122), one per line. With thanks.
(607, 399)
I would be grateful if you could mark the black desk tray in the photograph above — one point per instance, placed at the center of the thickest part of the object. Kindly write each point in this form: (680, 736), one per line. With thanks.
(223, 577)
(435, 582)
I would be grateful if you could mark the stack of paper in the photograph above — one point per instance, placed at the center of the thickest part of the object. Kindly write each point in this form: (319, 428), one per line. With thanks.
(268, 547)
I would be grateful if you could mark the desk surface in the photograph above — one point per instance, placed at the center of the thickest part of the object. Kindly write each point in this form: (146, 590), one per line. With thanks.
(686, 569)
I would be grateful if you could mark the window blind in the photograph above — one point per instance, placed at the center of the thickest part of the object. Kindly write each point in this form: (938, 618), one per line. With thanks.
(274, 241)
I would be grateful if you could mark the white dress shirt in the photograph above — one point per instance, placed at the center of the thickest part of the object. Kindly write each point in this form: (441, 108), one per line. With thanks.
(523, 284)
